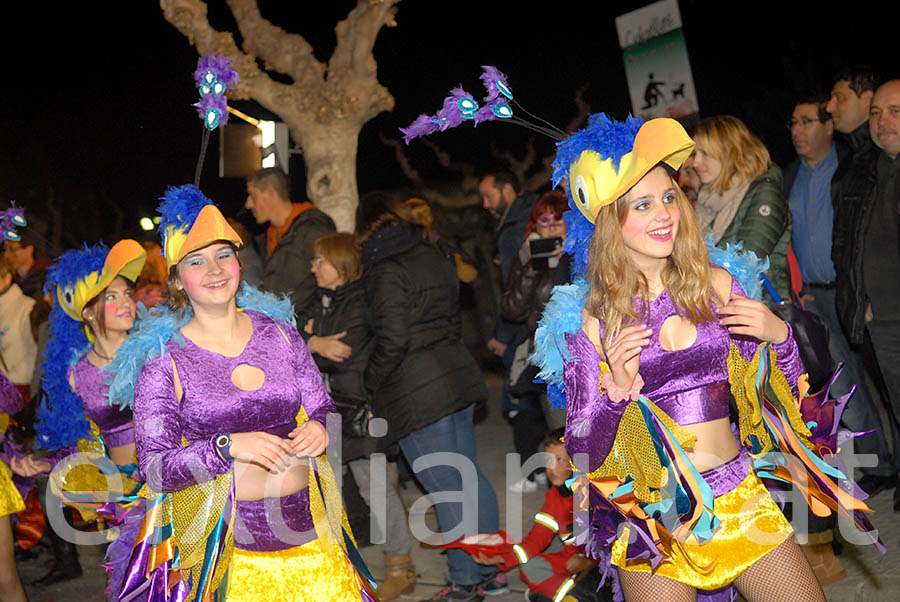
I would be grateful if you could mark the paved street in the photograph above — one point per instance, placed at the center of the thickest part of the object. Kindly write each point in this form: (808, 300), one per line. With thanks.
(870, 576)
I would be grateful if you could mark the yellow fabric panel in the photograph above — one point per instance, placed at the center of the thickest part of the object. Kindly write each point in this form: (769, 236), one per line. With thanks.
(10, 500)
(311, 572)
(634, 455)
(752, 525)
(742, 378)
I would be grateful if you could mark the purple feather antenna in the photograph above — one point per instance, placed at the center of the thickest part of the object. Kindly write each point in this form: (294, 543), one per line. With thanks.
(458, 107)
(10, 220)
(214, 76)
(495, 82)
(422, 126)
(220, 67)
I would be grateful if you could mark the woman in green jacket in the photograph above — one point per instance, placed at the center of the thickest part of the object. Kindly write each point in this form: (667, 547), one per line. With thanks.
(741, 198)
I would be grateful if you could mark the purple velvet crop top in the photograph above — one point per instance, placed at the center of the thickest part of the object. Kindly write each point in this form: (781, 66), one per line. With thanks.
(114, 423)
(212, 405)
(690, 385)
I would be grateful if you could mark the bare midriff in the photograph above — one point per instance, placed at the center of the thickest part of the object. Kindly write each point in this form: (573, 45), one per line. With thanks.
(716, 444)
(253, 482)
(123, 455)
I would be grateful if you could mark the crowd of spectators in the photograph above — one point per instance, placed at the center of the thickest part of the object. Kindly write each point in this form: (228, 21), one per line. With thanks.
(380, 308)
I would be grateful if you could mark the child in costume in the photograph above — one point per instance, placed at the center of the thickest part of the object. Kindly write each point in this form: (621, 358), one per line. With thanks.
(91, 318)
(548, 559)
(10, 501)
(675, 503)
(230, 427)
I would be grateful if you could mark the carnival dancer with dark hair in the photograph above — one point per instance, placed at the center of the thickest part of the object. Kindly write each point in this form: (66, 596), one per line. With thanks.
(660, 334)
(230, 415)
(90, 320)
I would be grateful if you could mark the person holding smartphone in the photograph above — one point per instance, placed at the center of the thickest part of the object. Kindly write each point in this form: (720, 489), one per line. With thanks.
(541, 265)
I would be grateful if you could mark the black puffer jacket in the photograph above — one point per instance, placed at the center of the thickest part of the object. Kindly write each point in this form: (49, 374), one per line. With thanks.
(344, 309)
(420, 371)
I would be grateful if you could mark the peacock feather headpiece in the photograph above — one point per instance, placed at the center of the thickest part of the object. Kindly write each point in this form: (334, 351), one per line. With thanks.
(599, 163)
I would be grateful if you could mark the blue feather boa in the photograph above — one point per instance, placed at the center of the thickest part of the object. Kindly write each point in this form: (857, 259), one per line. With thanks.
(61, 420)
(578, 240)
(562, 316)
(744, 265)
(158, 326)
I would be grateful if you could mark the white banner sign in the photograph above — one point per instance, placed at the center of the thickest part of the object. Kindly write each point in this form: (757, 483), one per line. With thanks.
(656, 62)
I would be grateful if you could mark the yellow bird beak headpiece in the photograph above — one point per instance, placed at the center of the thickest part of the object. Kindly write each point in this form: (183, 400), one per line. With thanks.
(190, 221)
(82, 274)
(603, 161)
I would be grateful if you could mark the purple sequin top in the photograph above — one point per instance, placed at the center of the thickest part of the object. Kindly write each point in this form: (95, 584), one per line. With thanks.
(212, 405)
(690, 385)
(114, 423)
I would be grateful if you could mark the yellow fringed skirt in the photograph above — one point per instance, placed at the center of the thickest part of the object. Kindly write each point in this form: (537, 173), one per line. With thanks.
(312, 572)
(10, 500)
(752, 525)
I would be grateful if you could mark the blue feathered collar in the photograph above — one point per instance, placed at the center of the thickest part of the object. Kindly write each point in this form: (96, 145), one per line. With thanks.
(159, 325)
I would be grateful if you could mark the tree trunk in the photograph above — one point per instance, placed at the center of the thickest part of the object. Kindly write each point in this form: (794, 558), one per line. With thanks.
(330, 155)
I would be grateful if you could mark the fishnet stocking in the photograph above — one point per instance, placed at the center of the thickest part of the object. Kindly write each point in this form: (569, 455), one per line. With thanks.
(641, 587)
(782, 574)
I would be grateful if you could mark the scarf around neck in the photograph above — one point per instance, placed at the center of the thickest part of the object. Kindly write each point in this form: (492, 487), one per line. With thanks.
(715, 211)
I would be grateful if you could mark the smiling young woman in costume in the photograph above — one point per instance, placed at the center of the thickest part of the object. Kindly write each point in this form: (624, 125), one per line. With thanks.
(660, 323)
(91, 318)
(233, 412)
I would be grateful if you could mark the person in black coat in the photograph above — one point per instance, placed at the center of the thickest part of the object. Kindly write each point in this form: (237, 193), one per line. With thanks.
(421, 376)
(526, 293)
(340, 339)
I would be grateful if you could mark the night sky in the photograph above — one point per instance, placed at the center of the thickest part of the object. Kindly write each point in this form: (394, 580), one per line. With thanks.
(96, 101)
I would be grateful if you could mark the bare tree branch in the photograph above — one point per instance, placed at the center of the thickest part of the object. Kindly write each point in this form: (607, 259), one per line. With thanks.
(189, 17)
(520, 167)
(325, 107)
(282, 51)
(403, 160)
(583, 108)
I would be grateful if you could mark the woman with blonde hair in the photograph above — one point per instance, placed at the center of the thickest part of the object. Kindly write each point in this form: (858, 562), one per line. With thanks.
(741, 198)
(653, 344)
